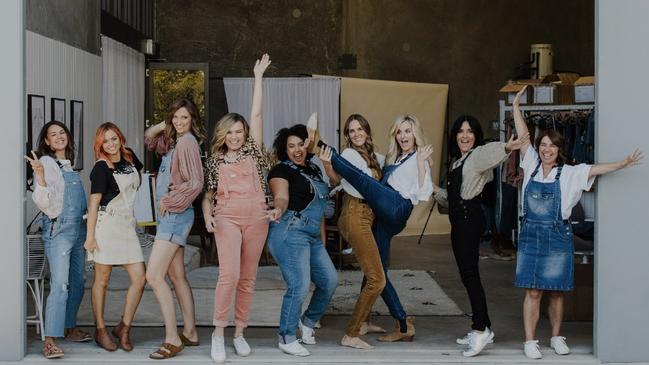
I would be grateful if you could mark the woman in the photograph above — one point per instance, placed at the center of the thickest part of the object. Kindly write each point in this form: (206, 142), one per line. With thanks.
(405, 181)
(296, 237)
(545, 245)
(355, 224)
(179, 181)
(234, 208)
(58, 193)
(111, 239)
(471, 170)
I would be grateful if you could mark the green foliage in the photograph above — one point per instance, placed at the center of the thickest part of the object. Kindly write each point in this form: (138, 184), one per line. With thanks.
(169, 85)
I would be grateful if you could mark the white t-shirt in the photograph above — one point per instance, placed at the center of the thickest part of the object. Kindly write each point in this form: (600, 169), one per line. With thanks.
(573, 181)
(405, 180)
(357, 160)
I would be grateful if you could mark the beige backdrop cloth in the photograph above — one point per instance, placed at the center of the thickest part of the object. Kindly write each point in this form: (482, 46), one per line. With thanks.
(380, 102)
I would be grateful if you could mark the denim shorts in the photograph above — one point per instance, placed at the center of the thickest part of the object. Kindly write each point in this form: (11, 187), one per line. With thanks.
(175, 227)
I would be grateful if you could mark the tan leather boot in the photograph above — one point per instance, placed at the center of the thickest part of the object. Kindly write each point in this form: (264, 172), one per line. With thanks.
(122, 332)
(397, 335)
(103, 339)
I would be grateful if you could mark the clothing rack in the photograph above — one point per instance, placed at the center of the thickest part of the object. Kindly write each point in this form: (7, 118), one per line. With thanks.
(502, 111)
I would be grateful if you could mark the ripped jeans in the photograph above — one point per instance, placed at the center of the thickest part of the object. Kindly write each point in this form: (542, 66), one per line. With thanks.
(63, 241)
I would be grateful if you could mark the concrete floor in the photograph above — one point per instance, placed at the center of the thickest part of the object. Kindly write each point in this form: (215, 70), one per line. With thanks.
(434, 342)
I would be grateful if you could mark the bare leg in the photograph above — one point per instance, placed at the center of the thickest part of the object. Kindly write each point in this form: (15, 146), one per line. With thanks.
(555, 311)
(99, 286)
(531, 310)
(184, 295)
(161, 256)
(136, 274)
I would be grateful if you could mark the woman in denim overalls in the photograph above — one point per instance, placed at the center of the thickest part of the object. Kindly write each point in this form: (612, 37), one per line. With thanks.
(58, 192)
(545, 248)
(295, 241)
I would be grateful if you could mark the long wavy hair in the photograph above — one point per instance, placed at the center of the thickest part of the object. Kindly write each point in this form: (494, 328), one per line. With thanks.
(221, 131)
(196, 126)
(395, 150)
(100, 154)
(44, 150)
(367, 149)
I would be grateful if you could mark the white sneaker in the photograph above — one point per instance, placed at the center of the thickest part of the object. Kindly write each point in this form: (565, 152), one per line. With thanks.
(467, 338)
(218, 349)
(478, 341)
(558, 343)
(294, 348)
(532, 350)
(241, 347)
(308, 333)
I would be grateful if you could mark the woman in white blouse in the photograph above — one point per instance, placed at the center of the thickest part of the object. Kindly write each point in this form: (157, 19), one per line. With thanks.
(545, 249)
(405, 182)
(58, 192)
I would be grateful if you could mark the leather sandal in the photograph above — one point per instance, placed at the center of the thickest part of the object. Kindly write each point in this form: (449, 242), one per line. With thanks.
(166, 351)
(103, 339)
(77, 335)
(52, 351)
(187, 342)
(121, 332)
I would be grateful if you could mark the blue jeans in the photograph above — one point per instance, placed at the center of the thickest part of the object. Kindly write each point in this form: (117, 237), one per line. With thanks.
(295, 244)
(63, 241)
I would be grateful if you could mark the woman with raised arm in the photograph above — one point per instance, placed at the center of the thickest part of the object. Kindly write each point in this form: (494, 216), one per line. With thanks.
(235, 210)
(545, 244)
(58, 193)
(112, 240)
(296, 237)
(473, 162)
(179, 182)
(405, 181)
(355, 224)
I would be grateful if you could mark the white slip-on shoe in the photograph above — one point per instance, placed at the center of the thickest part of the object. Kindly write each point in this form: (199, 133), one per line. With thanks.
(294, 348)
(532, 350)
(218, 349)
(241, 347)
(308, 334)
(467, 338)
(478, 341)
(558, 343)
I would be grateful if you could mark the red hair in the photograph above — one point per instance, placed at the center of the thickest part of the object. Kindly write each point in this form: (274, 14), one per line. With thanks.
(100, 154)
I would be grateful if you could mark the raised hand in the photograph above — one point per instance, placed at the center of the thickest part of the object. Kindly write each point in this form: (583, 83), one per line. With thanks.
(633, 159)
(517, 98)
(424, 153)
(37, 166)
(261, 65)
(516, 143)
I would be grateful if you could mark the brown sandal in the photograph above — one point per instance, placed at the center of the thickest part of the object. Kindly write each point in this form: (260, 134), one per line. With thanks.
(166, 351)
(77, 335)
(122, 332)
(51, 351)
(187, 342)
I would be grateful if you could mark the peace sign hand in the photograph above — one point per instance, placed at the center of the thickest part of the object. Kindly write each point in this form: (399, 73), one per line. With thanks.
(37, 166)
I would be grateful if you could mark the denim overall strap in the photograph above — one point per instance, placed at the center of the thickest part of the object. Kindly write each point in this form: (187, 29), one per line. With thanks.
(315, 208)
(539, 192)
(389, 169)
(74, 197)
(164, 175)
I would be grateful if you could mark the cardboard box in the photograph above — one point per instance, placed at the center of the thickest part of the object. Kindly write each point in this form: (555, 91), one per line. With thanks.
(585, 89)
(544, 93)
(564, 91)
(511, 89)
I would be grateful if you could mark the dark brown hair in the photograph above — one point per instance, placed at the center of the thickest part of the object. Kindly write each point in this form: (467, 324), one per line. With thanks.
(44, 150)
(196, 127)
(367, 150)
(557, 139)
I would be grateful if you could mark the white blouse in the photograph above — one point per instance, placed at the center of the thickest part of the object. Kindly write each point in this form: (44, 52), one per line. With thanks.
(573, 181)
(49, 198)
(405, 180)
(357, 160)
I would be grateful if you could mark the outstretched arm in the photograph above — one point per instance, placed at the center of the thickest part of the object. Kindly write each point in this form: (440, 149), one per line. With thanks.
(256, 114)
(519, 122)
(604, 168)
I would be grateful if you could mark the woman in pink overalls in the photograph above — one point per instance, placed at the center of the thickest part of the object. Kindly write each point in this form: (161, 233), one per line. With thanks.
(235, 209)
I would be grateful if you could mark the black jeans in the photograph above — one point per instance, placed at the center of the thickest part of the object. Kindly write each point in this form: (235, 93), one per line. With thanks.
(466, 230)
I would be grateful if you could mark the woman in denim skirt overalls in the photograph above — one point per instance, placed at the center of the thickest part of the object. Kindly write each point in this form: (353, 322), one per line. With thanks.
(545, 249)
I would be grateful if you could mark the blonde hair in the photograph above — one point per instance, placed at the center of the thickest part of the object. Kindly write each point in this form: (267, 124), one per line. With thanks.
(395, 150)
(221, 131)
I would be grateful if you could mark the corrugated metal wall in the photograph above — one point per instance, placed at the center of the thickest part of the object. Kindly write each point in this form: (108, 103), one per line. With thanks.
(139, 14)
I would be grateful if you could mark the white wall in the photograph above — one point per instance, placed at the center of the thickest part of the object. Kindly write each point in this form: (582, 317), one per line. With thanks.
(622, 246)
(12, 286)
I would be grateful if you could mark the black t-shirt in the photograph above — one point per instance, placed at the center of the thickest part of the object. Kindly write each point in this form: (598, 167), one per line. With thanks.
(102, 179)
(300, 191)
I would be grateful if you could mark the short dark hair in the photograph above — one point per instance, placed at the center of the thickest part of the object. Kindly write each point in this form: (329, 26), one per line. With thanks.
(281, 138)
(557, 139)
(453, 148)
(44, 150)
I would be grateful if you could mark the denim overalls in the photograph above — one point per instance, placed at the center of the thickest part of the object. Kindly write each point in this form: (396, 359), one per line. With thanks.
(545, 248)
(63, 238)
(295, 243)
(172, 227)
